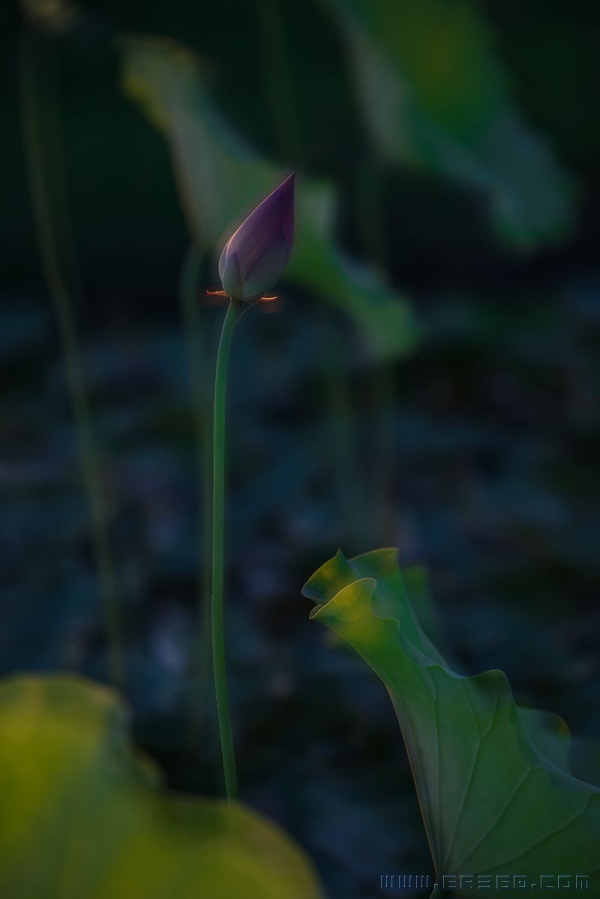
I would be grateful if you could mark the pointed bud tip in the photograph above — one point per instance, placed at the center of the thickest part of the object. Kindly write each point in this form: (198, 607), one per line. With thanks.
(289, 183)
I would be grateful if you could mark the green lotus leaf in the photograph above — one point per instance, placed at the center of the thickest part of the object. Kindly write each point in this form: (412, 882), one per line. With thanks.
(220, 180)
(84, 817)
(435, 97)
(496, 794)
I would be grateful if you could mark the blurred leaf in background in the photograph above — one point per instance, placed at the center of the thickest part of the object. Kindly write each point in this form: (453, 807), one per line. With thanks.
(434, 96)
(85, 816)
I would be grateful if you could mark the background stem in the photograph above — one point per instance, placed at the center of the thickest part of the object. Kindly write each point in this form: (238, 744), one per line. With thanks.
(383, 389)
(218, 532)
(383, 377)
(37, 73)
(279, 82)
(343, 438)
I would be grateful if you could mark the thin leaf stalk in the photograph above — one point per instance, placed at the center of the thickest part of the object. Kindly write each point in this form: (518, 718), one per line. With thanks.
(383, 387)
(342, 435)
(340, 412)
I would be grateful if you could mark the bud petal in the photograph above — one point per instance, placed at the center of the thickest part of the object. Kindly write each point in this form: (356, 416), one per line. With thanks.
(229, 272)
(267, 269)
(255, 256)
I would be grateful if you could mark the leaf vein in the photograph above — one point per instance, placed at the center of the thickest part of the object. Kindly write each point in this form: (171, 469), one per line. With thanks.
(499, 817)
(474, 762)
(543, 839)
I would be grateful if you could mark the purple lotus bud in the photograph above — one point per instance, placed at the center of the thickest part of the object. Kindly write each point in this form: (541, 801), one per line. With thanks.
(256, 254)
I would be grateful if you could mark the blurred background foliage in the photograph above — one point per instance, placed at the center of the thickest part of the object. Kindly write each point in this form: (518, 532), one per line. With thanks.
(428, 379)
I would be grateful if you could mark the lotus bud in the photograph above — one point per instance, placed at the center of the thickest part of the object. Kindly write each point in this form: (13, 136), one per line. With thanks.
(256, 254)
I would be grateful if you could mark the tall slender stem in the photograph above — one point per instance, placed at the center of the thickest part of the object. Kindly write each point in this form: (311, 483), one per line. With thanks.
(201, 384)
(49, 224)
(218, 532)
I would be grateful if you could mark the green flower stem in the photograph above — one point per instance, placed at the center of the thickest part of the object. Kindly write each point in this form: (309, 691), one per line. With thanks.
(200, 378)
(218, 536)
(51, 226)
